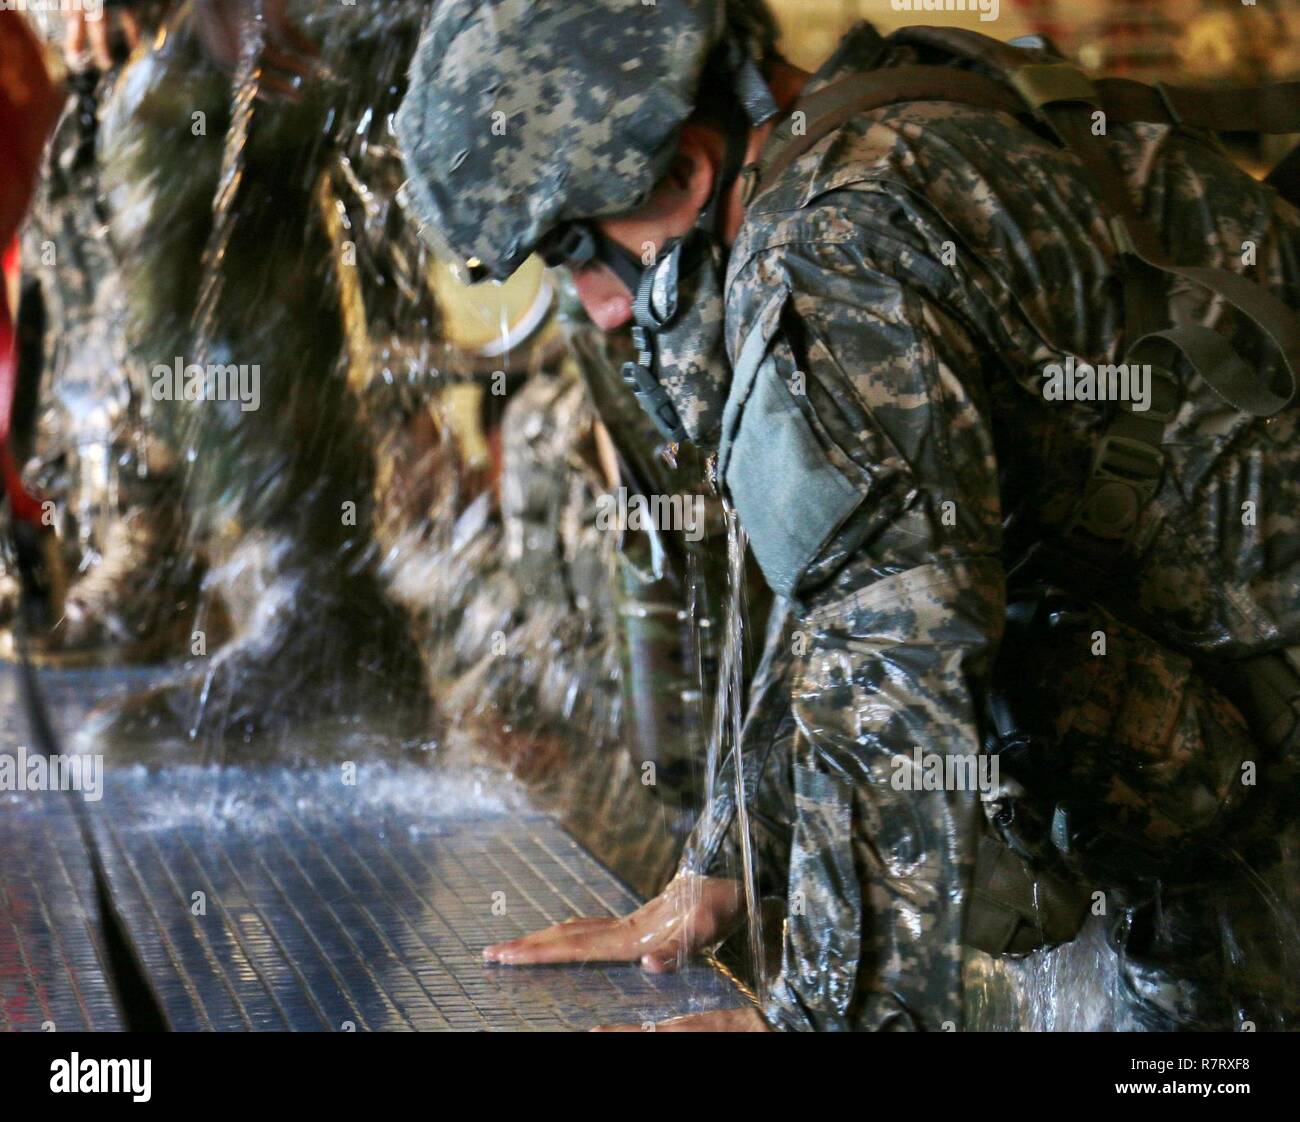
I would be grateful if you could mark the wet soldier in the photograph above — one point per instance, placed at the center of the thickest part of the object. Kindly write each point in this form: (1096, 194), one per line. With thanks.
(864, 329)
(276, 464)
(115, 488)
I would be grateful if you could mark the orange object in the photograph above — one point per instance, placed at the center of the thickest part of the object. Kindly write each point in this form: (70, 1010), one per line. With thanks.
(29, 106)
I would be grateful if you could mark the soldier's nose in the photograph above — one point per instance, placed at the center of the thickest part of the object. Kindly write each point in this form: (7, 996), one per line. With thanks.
(603, 296)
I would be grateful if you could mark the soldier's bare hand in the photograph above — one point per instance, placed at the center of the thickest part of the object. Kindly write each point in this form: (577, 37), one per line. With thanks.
(724, 1020)
(288, 56)
(82, 32)
(688, 916)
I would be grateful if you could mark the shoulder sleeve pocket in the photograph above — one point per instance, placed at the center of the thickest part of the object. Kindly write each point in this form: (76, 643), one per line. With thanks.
(790, 496)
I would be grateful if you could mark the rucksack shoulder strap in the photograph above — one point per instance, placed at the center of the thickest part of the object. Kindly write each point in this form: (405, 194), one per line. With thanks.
(1271, 108)
(1064, 99)
(827, 109)
(1261, 109)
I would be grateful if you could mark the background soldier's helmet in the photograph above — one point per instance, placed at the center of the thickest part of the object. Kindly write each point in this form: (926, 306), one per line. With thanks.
(522, 116)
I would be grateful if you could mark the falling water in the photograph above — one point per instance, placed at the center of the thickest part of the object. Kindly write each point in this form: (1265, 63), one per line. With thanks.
(729, 713)
(245, 86)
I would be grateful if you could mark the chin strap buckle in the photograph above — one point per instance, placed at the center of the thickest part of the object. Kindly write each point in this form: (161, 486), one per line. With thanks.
(640, 378)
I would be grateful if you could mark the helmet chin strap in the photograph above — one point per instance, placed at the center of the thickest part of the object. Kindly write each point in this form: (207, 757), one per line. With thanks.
(651, 311)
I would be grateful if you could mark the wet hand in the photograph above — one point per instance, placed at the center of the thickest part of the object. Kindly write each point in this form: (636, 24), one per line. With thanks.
(690, 915)
(288, 57)
(83, 34)
(724, 1020)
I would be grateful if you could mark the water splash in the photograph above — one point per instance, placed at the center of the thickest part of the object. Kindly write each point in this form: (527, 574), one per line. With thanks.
(726, 741)
(245, 87)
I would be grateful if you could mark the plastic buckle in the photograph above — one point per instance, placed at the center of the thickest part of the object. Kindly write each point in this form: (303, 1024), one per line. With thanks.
(654, 399)
(1046, 83)
(1166, 398)
(1124, 478)
(1125, 460)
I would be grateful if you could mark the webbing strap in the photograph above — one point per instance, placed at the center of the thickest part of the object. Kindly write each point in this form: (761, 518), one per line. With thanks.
(1067, 101)
(1270, 109)
(1129, 459)
(1209, 354)
(822, 112)
(1273, 108)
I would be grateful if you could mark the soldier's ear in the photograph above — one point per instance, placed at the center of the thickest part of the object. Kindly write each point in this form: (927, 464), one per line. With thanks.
(694, 167)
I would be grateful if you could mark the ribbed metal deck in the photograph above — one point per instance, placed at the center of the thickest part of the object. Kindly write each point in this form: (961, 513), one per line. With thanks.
(321, 908)
(324, 904)
(52, 974)
(51, 962)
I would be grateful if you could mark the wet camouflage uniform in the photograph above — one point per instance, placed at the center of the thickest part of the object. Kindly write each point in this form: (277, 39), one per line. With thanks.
(114, 483)
(283, 490)
(912, 274)
(923, 388)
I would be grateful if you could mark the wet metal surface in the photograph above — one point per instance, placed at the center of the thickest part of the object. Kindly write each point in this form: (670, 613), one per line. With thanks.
(283, 899)
(329, 903)
(326, 897)
(51, 960)
(51, 963)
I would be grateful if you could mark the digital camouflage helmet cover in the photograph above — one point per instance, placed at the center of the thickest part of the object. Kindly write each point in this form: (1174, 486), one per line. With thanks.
(524, 115)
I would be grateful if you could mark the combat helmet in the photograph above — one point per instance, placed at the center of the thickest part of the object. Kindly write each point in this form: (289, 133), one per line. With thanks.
(525, 116)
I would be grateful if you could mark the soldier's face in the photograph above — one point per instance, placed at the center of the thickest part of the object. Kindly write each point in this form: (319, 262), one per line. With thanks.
(670, 212)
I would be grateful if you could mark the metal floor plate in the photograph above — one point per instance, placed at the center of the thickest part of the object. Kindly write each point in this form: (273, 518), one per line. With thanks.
(324, 905)
(51, 962)
(279, 899)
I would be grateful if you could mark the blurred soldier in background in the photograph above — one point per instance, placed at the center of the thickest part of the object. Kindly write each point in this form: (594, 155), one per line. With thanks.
(133, 593)
(216, 207)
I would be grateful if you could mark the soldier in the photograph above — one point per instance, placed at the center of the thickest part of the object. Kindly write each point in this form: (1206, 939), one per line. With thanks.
(277, 474)
(116, 489)
(866, 311)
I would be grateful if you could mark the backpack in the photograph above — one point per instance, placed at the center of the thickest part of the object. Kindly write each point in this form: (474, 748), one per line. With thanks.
(1050, 836)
